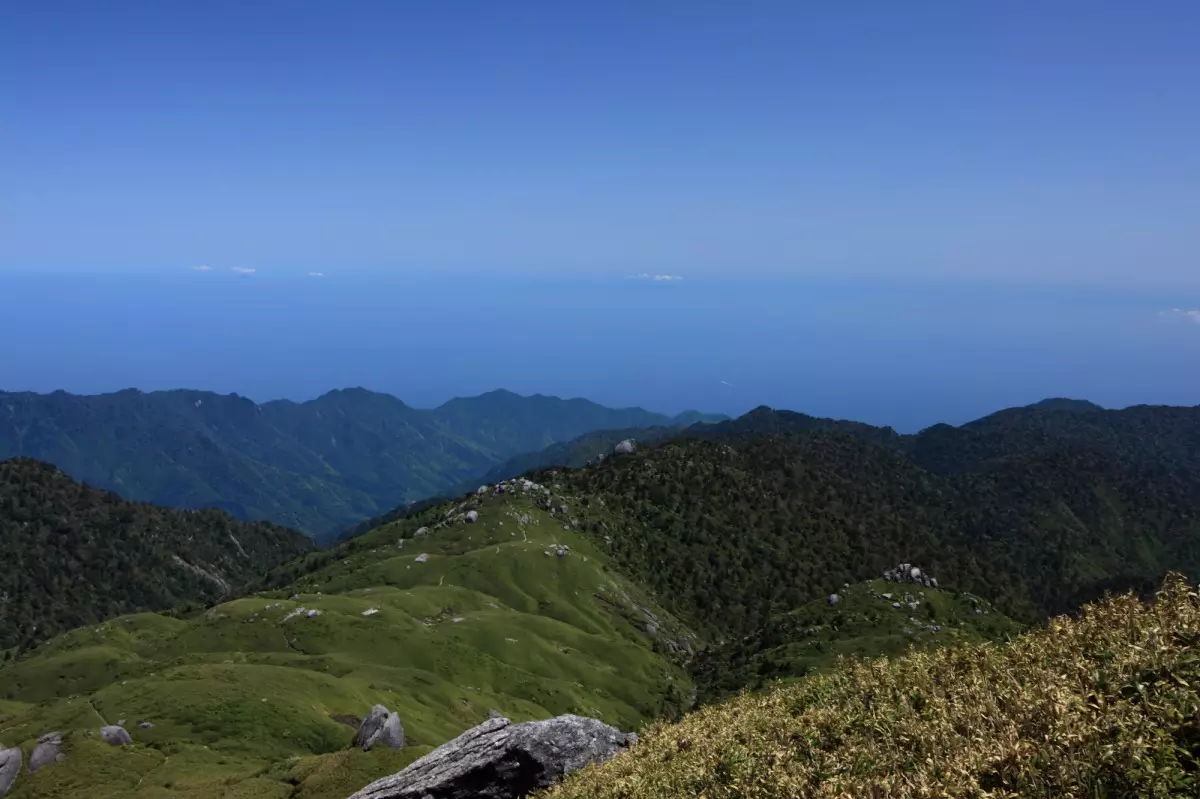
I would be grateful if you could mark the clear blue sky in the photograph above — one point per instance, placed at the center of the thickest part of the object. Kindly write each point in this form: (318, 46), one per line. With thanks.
(972, 160)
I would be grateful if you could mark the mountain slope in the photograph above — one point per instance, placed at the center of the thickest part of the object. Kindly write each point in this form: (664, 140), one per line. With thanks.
(731, 532)
(1102, 705)
(253, 697)
(318, 466)
(76, 555)
(868, 619)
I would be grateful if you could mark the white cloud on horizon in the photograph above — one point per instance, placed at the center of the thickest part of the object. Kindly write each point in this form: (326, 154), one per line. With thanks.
(202, 268)
(316, 274)
(1193, 315)
(242, 270)
(658, 278)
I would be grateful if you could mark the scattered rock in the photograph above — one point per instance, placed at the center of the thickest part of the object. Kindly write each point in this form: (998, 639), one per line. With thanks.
(421, 532)
(834, 599)
(115, 735)
(472, 516)
(47, 752)
(421, 558)
(145, 725)
(626, 447)
(494, 714)
(313, 613)
(500, 760)
(10, 768)
(382, 727)
(479, 492)
(370, 611)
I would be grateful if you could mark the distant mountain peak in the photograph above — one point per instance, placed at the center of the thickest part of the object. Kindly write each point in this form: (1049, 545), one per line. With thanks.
(1066, 404)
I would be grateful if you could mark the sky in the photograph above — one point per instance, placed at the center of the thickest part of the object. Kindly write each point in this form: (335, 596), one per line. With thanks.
(898, 212)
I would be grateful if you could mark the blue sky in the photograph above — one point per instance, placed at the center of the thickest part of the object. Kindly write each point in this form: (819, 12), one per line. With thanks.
(1031, 165)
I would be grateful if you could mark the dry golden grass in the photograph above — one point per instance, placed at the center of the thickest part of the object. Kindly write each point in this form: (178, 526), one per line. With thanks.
(1103, 705)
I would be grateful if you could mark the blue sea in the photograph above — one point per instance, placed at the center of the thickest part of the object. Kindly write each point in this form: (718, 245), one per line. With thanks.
(901, 354)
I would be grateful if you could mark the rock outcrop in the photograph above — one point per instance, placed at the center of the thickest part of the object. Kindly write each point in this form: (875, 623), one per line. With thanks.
(381, 727)
(47, 752)
(115, 735)
(626, 447)
(908, 573)
(501, 760)
(10, 768)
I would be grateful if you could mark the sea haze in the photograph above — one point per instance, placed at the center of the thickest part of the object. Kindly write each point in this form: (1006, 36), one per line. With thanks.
(886, 353)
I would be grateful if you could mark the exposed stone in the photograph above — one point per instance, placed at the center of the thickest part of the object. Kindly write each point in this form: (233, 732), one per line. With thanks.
(381, 727)
(10, 768)
(115, 735)
(481, 491)
(145, 725)
(626, 447)
(472, 516)
(48, 751)
(834, 599)
(501, 760)
(494, 714)
(421, 532)
(422, 558)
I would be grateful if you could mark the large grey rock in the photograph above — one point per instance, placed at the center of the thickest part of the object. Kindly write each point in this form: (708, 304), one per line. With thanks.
(626, 447)
(381, 726)
(10, 768)
(501, 760)
(472, 516)
(47, 752)
(115, 735)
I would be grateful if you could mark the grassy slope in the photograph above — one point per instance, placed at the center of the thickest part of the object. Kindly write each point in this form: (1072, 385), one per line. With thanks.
(241, 698)
(1101, 706)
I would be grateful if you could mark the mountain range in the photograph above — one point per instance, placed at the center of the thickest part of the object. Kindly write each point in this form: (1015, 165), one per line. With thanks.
(319, 466)
(710, 559)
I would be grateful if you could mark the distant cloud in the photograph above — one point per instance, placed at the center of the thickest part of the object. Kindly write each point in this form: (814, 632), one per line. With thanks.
(242, 270)
(725, 383)
(202, 268)
(316, 274)
(658, 278)
(1193, 315)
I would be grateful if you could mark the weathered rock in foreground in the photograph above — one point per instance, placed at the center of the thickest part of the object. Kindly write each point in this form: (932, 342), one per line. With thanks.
(502, 760)
(47, 752)
(115, 735)
(380, 727)
(10, 768)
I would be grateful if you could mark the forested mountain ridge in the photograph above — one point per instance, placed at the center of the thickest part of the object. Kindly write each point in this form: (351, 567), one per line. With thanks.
(73, 554)
(731, 527)
(318, 466)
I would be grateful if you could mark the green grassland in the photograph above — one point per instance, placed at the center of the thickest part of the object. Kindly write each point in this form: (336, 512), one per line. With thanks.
(242, 695)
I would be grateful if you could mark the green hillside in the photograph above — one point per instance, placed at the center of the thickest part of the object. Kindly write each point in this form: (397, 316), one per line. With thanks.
(319, 466)
(867, 619)
(1100, 706)
(76, 555)
(245, 696)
